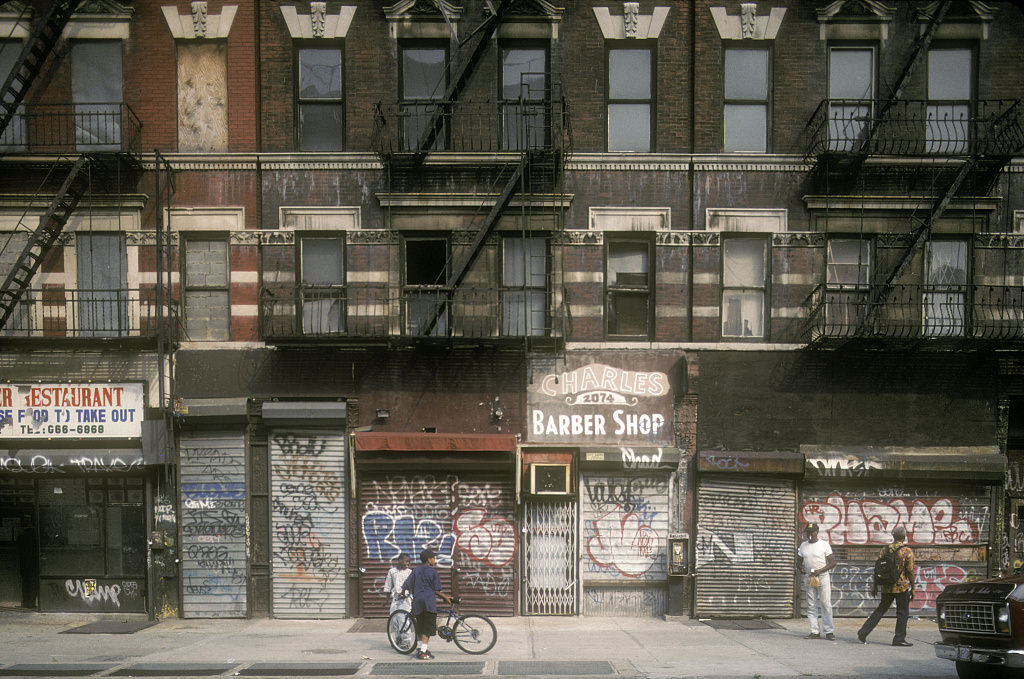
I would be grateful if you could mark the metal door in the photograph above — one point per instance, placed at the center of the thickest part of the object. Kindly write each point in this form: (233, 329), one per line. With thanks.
(486, 540)
(308, 524)
(549, 556)
(213, 513)
(746, 548)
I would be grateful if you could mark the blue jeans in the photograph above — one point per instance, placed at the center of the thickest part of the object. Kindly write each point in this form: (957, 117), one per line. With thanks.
(820, 598)
(902, 600)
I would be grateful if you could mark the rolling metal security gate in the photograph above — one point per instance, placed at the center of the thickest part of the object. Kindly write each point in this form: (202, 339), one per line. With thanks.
(308, 521)
(746, 548)
(948, 528)
(623, 545)
(467, 518)
(213, 510)
(549, 553)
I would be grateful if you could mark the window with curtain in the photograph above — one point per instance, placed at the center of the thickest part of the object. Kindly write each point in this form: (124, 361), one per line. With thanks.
(744, 286)
(206, 288)
(628, 288)
(96, 90)
(323, 294)
(524, 89)
(631, 98)
(524, 286)
(424, 78)
(945, 292)
(320, 97)
(747, 87)
(950, 90)
(851, 89)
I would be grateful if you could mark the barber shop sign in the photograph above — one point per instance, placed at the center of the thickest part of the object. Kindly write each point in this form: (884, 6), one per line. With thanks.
(592, 399)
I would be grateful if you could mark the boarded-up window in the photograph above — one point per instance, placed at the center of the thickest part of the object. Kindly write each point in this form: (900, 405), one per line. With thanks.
(202, 96)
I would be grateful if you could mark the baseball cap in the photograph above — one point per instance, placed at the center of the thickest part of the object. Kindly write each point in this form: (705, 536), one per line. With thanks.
(812, 527)
(426, 555)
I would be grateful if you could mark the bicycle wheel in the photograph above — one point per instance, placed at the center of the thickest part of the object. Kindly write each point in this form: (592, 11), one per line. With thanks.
(402, 632)
(474, 634)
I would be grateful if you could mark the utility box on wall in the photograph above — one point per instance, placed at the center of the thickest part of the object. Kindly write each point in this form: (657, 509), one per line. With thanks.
(679, 554)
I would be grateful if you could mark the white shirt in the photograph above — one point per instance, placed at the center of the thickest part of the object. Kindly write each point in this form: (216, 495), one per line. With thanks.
(815, 554)
(393, 583)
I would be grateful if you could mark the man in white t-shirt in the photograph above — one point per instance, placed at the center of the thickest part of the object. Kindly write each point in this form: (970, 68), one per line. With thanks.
(816, 560)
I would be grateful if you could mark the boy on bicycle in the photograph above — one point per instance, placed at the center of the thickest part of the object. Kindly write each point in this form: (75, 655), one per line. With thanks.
(425, 585)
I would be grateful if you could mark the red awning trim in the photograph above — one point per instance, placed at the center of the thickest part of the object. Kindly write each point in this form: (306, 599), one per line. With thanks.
(377, 441)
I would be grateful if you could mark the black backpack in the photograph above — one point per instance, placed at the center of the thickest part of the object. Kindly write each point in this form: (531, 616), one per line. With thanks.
(887, 573)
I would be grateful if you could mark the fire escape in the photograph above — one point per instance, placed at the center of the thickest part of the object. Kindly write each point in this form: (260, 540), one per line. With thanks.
(517, 149)
(931, 152)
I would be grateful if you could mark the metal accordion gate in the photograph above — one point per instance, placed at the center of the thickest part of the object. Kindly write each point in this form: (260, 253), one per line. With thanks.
(549, 557)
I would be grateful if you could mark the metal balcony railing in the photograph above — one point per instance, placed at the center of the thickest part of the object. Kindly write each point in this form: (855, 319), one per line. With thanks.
(916, 127)
(58, 313)
(375, 312)
(911, 312)
(69, 127)
(471, 127)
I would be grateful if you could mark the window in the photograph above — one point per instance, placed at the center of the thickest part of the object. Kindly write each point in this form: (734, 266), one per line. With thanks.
(628, 288)
(524, 84)
(424, 80)
(207, 303)
(746, 100)
(848, 273)
(945, 290)
(322, 271)
(631, 98)
(851, 89)
(102, 284)
(524, 286)
(321, 115)
(744, 283)
(13, 138)
(426, 276)
(202, 95)
(96, 83)
(950, 87)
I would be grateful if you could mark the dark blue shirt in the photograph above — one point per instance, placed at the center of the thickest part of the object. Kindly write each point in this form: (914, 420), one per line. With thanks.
(423, 583)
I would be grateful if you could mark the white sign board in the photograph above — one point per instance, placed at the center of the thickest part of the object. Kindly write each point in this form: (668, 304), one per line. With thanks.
(71, 411)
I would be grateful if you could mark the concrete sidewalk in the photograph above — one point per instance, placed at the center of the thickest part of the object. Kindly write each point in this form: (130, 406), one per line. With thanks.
(609, 648)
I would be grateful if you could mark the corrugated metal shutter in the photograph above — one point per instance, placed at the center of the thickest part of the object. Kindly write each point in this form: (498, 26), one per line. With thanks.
(213, 525)
(549, 533)
(746, 547)
(308, 519)
(401, 514)
(623, 545)
(947, 526)
(483, 511)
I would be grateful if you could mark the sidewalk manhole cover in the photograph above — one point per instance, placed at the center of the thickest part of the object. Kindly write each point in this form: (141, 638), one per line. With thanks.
(556, 667)
(427, 667)
(112, 627)
(742, 624)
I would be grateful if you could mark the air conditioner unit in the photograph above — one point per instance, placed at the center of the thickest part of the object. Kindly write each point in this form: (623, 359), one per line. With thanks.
(549, 479)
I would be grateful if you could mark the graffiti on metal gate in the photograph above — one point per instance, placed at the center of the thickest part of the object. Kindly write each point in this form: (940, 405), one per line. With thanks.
(928, 521)
(851, 585)
(620, 541)
(488, 539)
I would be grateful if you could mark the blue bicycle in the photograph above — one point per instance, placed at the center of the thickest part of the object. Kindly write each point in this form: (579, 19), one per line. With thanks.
(473, 634)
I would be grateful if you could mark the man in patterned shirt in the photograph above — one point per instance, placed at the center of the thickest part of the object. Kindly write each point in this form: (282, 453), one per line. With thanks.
(901, 592)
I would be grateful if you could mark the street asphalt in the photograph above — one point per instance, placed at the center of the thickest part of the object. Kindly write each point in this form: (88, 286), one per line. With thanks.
(39, 645)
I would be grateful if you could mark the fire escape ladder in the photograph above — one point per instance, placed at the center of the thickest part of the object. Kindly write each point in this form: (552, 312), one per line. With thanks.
(42, 239)
(461, 268)
(460, 77)
(32, 57)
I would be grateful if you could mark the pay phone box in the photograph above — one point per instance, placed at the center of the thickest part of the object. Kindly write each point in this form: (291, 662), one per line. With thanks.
(679, 554)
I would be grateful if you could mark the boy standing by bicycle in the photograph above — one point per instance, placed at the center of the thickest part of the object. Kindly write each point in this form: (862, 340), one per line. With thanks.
(425, 585)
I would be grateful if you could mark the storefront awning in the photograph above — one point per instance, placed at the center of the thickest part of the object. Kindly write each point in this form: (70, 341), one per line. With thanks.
(63, 460)
(974, 463)
(630, 458)
(374, 441)
(750, 462)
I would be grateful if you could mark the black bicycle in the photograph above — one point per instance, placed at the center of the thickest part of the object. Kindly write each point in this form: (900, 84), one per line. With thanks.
(472, 633)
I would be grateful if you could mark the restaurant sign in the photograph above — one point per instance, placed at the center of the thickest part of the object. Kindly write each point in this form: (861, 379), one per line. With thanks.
(592, 400)
(71, 411)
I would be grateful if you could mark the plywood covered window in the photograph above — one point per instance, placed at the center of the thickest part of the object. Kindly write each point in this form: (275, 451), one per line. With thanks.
(202, 96)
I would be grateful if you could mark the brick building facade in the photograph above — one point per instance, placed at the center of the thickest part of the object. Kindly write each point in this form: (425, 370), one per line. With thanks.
(600, 301)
